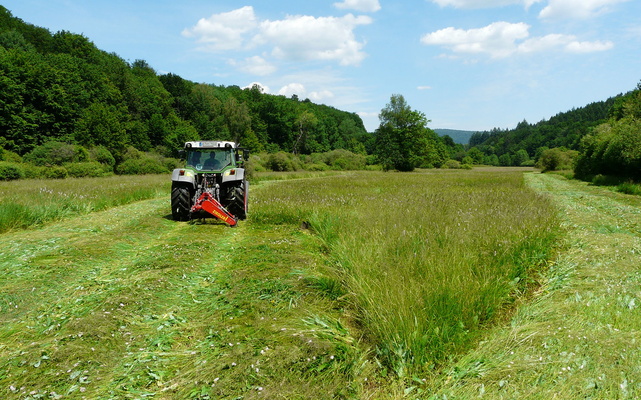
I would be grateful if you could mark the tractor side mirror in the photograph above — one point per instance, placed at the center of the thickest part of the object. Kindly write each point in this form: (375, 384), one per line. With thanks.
(182, 154)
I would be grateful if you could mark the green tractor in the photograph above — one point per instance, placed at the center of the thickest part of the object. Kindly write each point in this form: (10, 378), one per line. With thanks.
(212, 183)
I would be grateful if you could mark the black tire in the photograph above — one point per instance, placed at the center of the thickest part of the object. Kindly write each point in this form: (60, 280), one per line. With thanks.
(239, 203)
(180, 203)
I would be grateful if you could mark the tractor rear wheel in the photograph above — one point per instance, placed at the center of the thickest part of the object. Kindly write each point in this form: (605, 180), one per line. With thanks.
(180, 203)
(239, 204)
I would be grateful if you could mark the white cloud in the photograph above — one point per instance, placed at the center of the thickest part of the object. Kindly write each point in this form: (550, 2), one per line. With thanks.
(469, 4)
(296, 38)
(424, 87)
(297, 89)
(321, 96)
(224, 31)
(589, 47)
(359, 5)
(311, 38)
(300, 90)
(577, 9)
(261, 87)
(255, 65)
(497, 39)
(503, 39)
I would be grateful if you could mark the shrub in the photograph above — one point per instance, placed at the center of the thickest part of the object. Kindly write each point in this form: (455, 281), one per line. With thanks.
(557, 159)
(6, 155)
(34, 172)
(56, 153)
(629, 188)
(141, 166)
(280, 162)
(345, 160)
(102, 155)
(452, 164)
(10, 171)
(56, 172)
(91, 169)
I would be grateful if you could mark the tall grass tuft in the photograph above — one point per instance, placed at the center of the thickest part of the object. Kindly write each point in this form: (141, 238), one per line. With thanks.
(26, 203)
(428, 259)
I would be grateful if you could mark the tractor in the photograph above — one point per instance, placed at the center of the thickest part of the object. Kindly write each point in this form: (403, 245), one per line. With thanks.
(212, 183)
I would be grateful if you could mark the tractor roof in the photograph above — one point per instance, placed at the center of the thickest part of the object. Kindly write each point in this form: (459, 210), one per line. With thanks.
(210, 144)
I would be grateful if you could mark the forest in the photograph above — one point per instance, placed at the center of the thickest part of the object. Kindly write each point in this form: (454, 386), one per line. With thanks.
(601, 139)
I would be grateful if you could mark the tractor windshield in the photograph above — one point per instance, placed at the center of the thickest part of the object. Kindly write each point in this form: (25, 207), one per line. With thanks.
(209, 159)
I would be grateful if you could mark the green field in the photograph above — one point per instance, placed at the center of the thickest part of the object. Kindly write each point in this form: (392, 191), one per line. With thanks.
(498, 283)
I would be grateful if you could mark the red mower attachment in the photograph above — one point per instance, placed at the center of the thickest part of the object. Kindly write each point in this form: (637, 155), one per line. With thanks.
(208, 203)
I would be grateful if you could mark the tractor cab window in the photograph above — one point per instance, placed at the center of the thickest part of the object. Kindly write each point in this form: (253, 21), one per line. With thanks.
(212, 160)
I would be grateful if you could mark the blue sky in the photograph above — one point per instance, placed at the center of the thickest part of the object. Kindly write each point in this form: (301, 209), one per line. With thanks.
(466, 64)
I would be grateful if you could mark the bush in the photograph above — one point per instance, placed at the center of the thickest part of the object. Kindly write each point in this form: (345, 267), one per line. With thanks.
(88, 169)
(10, 171)
(102, 155)
(6, 155)
(141, 166)
(34, 172)
(56, 172)
(56, 153)
(629, 188)
(280, 162)
(345, 160)
(557, 159)
(451, 164)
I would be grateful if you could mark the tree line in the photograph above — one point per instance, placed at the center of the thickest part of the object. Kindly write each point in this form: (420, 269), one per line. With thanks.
(600, 139)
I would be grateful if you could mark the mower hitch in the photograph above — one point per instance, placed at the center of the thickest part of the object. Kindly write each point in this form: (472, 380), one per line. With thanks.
(208, 203)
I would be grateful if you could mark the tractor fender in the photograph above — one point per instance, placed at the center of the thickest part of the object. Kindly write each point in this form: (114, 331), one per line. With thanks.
(238, 175)
(184, 175)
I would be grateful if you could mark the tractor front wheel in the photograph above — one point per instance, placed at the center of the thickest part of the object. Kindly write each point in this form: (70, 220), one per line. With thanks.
(180, 203)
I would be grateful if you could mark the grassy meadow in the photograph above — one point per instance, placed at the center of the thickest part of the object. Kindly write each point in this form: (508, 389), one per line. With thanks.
(33, 202)
(353, 285)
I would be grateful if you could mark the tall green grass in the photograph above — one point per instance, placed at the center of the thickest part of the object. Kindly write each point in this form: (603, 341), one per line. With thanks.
(426, 259)
(26, 203)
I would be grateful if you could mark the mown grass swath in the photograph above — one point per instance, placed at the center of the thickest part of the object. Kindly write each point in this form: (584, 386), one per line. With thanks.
(427, 259)
(33, 202)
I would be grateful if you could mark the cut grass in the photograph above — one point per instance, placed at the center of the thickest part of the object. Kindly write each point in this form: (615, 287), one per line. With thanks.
(126, 303)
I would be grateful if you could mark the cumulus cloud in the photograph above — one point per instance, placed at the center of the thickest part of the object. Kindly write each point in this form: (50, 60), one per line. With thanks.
(577, 9)
(298, 37)
(359, 5)
(261, 87)
(469, 4)
(497, 39)
(503, 39)
(224, 31)
(300, 90)
(311, 38)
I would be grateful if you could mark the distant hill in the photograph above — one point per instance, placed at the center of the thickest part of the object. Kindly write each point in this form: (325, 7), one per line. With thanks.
(462, 137)
(566, 129)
